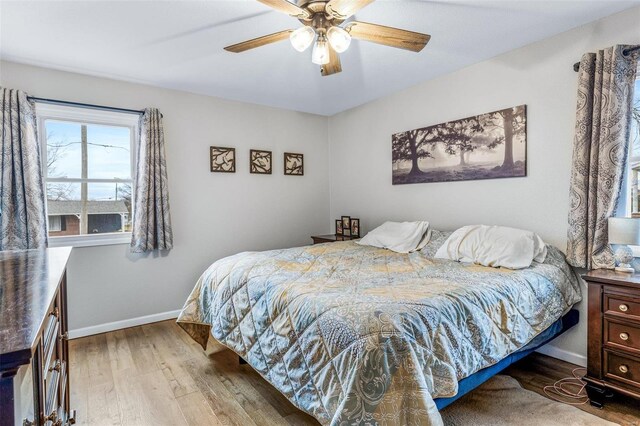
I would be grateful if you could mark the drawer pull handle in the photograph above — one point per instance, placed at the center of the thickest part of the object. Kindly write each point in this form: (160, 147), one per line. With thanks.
(624, 336)
(56, 366)
(623, 369)
(52, 417)
(623, 308)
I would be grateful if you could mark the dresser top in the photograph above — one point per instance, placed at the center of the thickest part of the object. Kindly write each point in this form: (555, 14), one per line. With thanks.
(610, 276)
(28, 283)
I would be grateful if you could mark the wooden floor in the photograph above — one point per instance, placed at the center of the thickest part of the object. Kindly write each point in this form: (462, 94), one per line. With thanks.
(156, 375)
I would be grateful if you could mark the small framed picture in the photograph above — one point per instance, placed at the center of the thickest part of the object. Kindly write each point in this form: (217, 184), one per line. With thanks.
(293, 164)
(260, 162)
(223, 160)
(346, 226)
(355, 227)
(338, 227)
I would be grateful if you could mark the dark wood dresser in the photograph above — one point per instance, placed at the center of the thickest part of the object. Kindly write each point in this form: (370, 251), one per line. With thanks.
(34, 379)
(613, 349)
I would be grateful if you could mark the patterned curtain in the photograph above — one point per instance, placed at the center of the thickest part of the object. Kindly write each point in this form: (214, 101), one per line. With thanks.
(600, 151)
(151, 218)
(23, 220)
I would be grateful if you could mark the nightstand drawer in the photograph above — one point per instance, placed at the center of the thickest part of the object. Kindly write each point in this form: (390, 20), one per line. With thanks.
(622, 305)
(623, 368)
(622, 335)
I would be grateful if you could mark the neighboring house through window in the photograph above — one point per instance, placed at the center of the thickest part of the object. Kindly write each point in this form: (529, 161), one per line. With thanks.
(88, 161)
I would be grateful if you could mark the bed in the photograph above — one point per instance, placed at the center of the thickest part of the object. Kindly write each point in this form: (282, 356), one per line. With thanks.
(354, 334)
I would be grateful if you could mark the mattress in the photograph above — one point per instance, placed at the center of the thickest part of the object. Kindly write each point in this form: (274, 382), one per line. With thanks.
(356, 334)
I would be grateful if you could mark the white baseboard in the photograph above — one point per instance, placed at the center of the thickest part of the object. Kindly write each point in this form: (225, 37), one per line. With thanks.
(118, 325)
(564, 355)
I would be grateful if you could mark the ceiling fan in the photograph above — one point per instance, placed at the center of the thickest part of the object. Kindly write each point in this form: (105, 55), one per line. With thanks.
(321, 21)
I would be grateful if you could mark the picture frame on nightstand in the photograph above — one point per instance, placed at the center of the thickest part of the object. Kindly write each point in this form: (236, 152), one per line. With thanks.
(355, 227)
(346, 226)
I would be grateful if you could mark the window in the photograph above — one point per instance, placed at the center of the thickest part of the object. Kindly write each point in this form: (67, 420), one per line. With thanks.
(88, 162)
(633, 196)
(55, 223)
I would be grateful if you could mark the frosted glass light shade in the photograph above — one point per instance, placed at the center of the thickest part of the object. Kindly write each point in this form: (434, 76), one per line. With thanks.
(302, 38)
(320, 54)
(339, 39)
(624, 230)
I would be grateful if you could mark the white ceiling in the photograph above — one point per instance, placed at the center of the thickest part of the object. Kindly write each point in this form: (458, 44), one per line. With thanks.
(178, 44)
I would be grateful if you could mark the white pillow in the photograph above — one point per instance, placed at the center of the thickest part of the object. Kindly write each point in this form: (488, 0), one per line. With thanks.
(494, 246)
(401, 237)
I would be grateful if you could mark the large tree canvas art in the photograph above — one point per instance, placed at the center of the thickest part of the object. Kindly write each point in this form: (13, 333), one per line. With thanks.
(486, 146)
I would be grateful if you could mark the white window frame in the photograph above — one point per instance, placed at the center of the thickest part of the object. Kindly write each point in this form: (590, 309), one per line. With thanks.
(627, 183)
(45, 111)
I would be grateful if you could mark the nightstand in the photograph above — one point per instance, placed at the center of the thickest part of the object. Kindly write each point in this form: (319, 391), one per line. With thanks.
(613, 335)
(330, 238)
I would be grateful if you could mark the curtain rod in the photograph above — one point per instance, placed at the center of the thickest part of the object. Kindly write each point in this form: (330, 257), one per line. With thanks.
(81, 105)
(625, 52)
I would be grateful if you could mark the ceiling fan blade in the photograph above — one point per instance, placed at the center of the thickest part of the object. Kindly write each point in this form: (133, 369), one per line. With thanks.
(342, 9)
(257, 42)
(286, 7)
(334, 66)
(388, 36)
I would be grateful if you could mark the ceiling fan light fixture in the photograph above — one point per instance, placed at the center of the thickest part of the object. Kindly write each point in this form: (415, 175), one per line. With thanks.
(328, 25)
(339, 39)
(320, 54)
(302, 38)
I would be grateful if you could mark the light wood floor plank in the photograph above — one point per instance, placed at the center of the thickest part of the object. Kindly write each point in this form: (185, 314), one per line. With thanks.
(148, 400)
(120, 357)
(223, 402)
(102, 406)
(98, 362)
(156, 375)
(79, 376)
(170, 354)
(197, 411)
(141, 351)
(102, 402)
(234, 378)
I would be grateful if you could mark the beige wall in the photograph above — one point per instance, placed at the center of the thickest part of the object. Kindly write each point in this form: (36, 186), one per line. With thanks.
(214, 215)
(539, 75)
